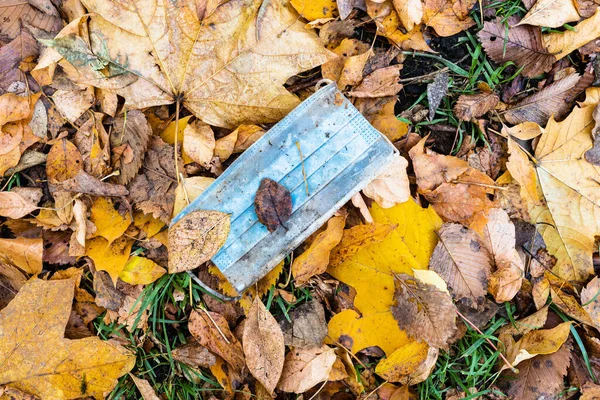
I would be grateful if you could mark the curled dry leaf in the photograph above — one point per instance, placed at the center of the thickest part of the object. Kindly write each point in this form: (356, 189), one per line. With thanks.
(315, 259)
(273, 204)
(424, 311)
(590, 300)
(380, 113)
(211, 331)
(522, 45)
(43, 363)
(561, 44)
(263, 346)
(304, 368)
(195, 238)
(93, 143)
(391, 187)
(463, 262)
(551, 13)
(145, 388)
(347, 67)
(199, 143)
(194, 354)
(219, 88)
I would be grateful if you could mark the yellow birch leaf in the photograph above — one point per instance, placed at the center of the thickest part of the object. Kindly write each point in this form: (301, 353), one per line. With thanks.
(315, 259)
(403, 361)
(109, 223)
(109, 257)
(561, 191)
(37, 359)
(561, 44)
(141, 271)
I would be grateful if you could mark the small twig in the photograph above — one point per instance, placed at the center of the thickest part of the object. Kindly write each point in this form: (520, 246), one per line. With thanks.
(215, 324)
(321, 388)
(347, 351)
(481, 184)
(509, 365)
(374, 390)
(303, 170)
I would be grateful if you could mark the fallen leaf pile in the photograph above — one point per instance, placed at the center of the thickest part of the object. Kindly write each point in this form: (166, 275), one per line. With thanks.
(115, 115)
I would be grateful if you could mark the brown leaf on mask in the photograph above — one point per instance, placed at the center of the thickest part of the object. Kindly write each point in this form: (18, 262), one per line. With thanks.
(304, 368)
(539, 377)
(263, 346)
(132, 131)
(195, 238)
(522, 45)
(273, 204)
(475, 105)
(307, 328)
(153, 191)
(424, 311)
(211, 331)
(555, 99)
(457, 191)
(463, 262)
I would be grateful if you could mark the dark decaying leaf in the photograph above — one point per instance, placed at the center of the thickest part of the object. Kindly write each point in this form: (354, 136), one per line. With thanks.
(194, 354)
(540, 377)
(56, 247)
(130, 136)
(475, 105)
(523, 45)
(12, 54)
(463, 262)
(153, 191)
(436, 91)
(307, 328)
(424, 311)
(273, 204)
(555, 99)
(593, 155)
(195, 238)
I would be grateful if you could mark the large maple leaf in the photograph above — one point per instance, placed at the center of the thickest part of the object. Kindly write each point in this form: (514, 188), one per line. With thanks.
(226, 65)
(562, 191)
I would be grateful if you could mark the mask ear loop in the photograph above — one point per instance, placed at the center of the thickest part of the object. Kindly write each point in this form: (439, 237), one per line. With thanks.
(210, 290)
(323, 82)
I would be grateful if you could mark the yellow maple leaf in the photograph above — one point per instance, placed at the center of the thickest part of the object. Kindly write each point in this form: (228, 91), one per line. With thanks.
(109, 223)
(371, 270)
(37, 359)
(219, 65)
(109, 256)
(562, 191)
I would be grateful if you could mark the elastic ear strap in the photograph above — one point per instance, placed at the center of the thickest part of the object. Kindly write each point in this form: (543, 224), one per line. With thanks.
(210, 290)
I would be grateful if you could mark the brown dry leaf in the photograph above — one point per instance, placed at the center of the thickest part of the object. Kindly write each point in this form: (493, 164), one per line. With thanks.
(463, 262)
(475, 105)
(424, 311)
(131, 133)
(447, 17)
(539, 377)
(554, 99)
(522, 45)
(237, 141)
(563, 43)
(86, 183)
(263, 346)
(13, 14)
(194, 354)
(195, 238)
(304, 368)
(380, 83)
(380, 113)
(43, 362)
(23, 47)
(13, 205)
(273, 204)
(93, 143)
(410, 12)
(307, 328)
(590, 300)
(211, 331)
(561, 192)
(150, 61)
(347, 67)
(145, 388)
(524, 131)
(153, 191)
(199, 143)
(315, 259)
(64, 161)
(457, 191)
(499, 239)
(23, 253)
(551, 13)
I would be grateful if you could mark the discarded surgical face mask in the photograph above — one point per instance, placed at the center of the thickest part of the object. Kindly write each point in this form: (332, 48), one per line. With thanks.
(323, 152)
